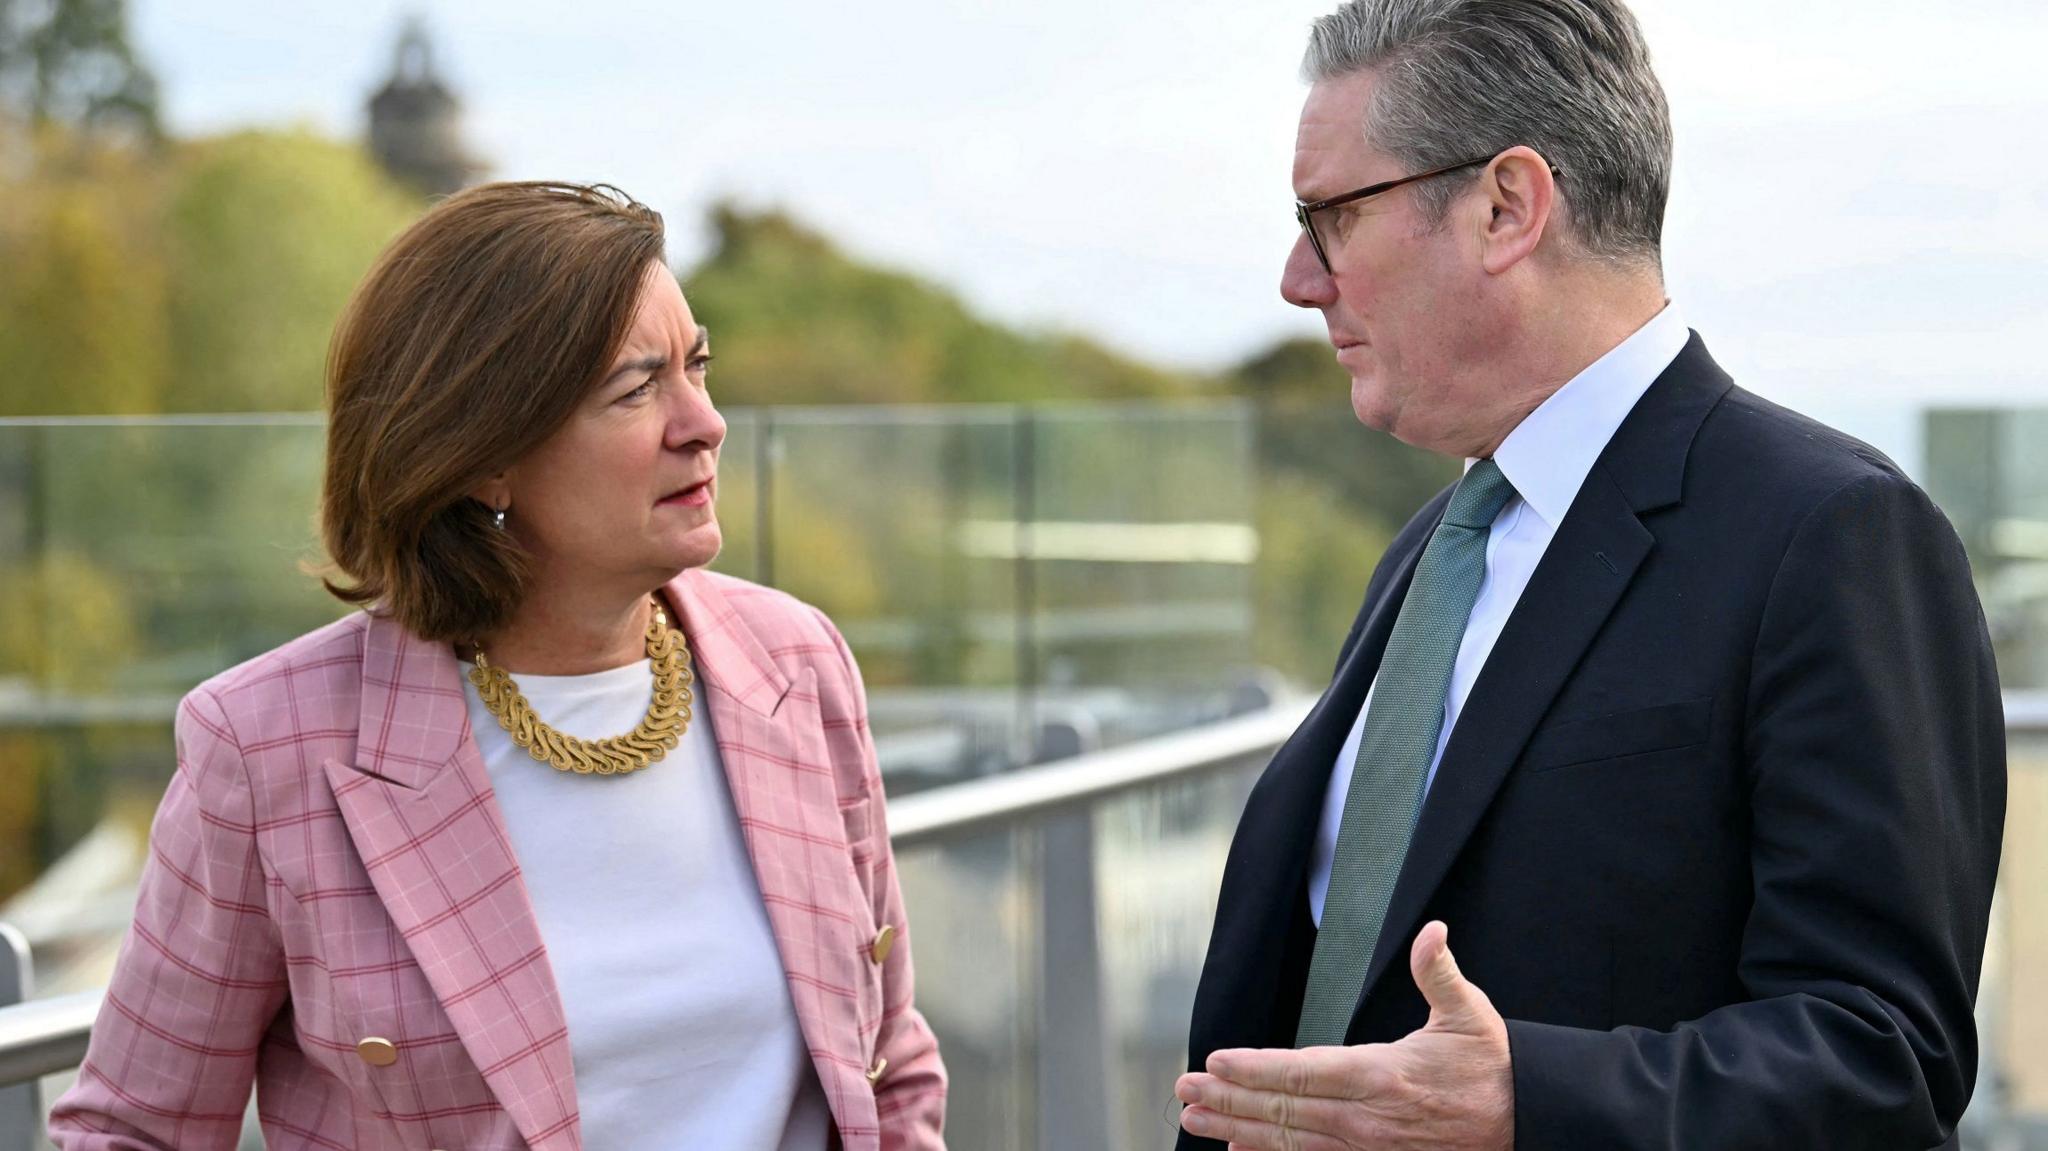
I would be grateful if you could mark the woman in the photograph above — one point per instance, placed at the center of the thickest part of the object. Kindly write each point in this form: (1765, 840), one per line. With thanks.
(564, 841)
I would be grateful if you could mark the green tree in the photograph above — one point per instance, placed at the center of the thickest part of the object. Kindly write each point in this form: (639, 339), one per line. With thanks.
(1316, 554)
(266, 233)
(82, 301)
(201, 278)
(73, 626)
(797, 322)
(70, 62)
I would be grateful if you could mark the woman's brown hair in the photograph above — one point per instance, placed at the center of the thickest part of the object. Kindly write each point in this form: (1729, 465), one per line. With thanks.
(470, 341)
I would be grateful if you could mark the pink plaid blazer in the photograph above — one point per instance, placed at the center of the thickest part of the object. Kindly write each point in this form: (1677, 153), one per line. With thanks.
(329, 864)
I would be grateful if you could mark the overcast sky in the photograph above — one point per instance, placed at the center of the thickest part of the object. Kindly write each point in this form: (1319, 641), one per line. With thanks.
(1859, 219)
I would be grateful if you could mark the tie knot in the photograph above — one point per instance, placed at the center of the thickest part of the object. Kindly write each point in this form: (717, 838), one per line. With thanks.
(1480, 496)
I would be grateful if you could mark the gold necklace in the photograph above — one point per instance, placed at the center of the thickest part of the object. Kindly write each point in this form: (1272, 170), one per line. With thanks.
(668, 717)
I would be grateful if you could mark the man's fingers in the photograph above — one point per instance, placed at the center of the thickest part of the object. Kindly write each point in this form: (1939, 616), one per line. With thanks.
(1254, 1134)
(1277, 1108)
(1319, 1072)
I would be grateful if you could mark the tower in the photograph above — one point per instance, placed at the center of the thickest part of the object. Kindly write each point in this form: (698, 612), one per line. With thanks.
(416, 122)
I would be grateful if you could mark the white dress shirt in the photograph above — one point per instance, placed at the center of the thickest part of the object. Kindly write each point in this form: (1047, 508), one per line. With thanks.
(681, 1027)
(1546, 458)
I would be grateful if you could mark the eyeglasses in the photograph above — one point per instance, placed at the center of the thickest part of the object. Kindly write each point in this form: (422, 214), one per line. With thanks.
(1304, 214)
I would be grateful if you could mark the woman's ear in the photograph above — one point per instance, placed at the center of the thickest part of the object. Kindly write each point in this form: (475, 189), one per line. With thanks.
(494, 493)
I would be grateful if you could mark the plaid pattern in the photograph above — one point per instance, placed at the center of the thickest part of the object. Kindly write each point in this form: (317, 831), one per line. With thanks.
(329, 864)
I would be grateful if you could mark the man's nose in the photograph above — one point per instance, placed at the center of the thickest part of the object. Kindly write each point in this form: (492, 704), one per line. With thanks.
(1303, 282)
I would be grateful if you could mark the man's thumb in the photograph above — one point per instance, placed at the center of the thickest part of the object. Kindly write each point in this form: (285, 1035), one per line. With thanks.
(1452, 1000)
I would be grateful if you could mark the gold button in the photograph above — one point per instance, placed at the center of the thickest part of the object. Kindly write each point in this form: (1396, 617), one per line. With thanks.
(885, 942)
(875, 1072)
(377, 1052)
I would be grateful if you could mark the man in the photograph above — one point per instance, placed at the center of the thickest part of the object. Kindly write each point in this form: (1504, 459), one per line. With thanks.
(1676, 715)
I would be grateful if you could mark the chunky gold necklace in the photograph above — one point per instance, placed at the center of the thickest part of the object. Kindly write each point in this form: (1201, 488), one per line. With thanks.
(668, 717)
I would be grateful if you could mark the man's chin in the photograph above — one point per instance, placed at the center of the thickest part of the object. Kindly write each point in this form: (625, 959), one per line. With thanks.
(1369, 404)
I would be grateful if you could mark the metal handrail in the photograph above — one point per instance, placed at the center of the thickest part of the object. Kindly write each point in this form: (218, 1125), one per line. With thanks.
(2026, 713)
(49, 1036)
(46, 1036)
(965, 808)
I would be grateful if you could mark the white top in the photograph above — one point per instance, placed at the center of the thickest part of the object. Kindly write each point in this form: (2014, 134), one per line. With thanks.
(680, 1021)
(1546, 458)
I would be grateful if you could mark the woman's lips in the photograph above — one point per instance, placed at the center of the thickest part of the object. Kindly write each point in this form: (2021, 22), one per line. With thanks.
(695, 496)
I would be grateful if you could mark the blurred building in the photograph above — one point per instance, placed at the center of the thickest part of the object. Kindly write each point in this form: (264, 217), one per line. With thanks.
(1987, 471)
(416, 121)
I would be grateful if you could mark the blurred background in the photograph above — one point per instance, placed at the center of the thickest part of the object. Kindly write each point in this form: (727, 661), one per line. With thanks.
(1013, 397)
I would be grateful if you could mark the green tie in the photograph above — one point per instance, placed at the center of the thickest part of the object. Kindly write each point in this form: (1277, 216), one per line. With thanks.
(1401, 729)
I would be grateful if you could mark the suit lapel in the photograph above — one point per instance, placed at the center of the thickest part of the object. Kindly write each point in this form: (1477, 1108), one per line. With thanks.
(1305, 762)
(771, 741)
(419, 807)
(1584, 573)
(1264, 884)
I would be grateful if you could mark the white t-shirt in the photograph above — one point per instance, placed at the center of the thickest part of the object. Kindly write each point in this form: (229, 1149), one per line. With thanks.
(680, 1021)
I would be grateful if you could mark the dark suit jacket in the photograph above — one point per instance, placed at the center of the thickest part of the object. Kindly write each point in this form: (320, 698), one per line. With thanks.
(1718, 825)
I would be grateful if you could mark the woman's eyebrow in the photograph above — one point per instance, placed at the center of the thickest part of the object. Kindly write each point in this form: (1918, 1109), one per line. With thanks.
(643, 364)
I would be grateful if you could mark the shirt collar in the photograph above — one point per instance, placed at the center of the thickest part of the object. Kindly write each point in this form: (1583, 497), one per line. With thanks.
(1549, 453)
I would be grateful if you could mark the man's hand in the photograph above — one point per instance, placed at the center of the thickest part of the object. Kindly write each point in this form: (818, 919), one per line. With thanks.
(1447, 1085)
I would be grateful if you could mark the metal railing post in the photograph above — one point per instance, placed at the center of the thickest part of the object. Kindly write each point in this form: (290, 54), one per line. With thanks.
(1073, 1052)
(1024, 506)
(21, 1106)
(1073, 1039)
(765, 455)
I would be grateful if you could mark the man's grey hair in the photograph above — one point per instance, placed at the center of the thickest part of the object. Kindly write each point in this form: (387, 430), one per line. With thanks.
(1461, 79)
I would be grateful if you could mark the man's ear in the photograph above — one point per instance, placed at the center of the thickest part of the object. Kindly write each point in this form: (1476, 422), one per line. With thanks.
(1521, 194)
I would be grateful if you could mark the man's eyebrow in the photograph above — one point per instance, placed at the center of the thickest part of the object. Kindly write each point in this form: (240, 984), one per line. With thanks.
(703, 341)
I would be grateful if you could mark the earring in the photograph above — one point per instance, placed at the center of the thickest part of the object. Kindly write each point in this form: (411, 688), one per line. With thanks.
(498, 518)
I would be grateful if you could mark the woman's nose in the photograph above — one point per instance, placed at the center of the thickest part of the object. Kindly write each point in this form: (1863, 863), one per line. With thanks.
(695, 422)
